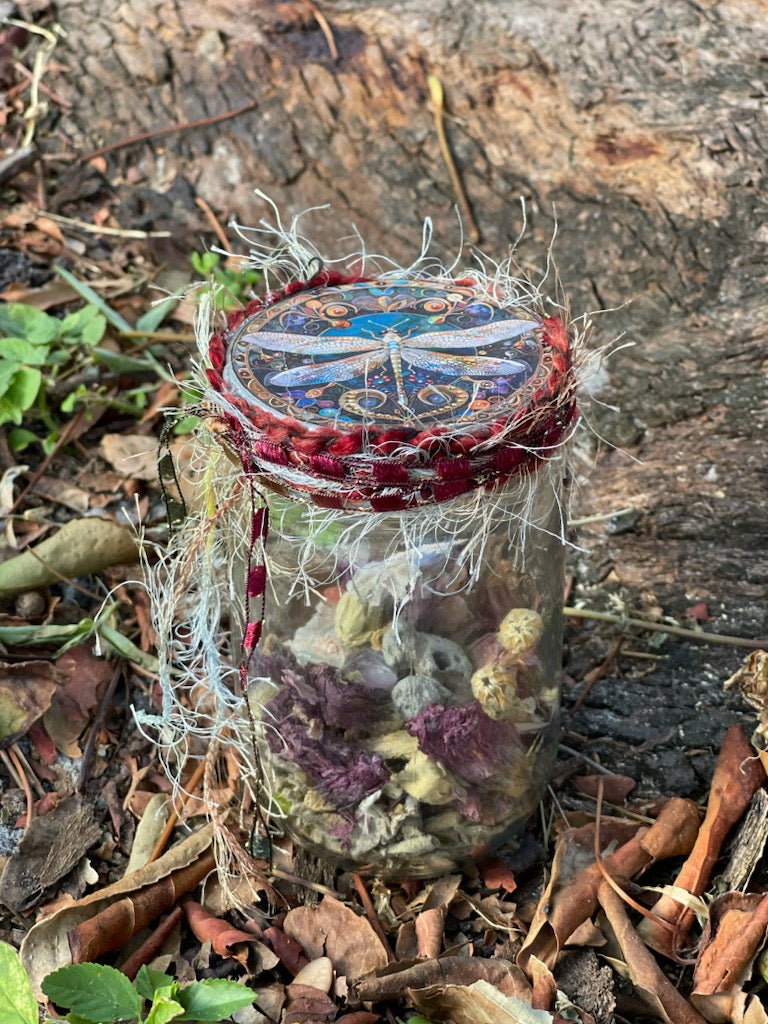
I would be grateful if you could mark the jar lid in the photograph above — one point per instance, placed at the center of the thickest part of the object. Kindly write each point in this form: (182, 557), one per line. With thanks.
(391, 392)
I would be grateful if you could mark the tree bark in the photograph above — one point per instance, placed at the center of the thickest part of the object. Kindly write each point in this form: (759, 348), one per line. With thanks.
(637, 125)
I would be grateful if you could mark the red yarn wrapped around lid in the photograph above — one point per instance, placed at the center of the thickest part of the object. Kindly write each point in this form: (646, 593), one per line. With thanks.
(386, 394)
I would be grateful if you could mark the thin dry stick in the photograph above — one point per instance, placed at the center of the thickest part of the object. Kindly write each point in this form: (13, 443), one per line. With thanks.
(24, 783)
(373, 917)
(158, 133)
(64, 579)
(663, 627)
(438, 107)
(30, 771)
(173, 817)
(595, 674)
(95, 229)
(98, 721)
(36, 108)
(324, 27)
(218, 230)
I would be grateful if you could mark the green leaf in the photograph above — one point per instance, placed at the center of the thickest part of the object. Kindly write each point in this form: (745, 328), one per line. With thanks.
(8, 368)
(85, 326)
(149, 981)
(24, 387)
(214, 999)
(118, 363)
(154, 316)
(17, 1000)
(20, 321)
(20, 394)
(87, 293)
(95, 991)
(22, 351)
(163, 1009)
(20, 438)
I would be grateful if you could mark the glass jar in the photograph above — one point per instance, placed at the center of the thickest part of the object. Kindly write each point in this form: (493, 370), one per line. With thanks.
(404, 445)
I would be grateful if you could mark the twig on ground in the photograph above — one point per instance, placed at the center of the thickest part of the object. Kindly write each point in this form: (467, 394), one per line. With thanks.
(373, 917)
(324, 27)
(158, 133)
(24, 782)
(218, 230)
(98, 721)
(176, 812)
(103, 229)
(662, 627)
(151, 946)
(36, 107)
(596, 674)
(438, 107)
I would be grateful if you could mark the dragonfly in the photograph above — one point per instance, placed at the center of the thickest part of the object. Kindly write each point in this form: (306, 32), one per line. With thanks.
(432, 350)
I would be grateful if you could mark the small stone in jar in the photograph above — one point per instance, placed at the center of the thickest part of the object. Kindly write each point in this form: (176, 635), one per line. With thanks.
(316, 641)
(445, 661)
(369, 668)
(413, 693)
(520, 630)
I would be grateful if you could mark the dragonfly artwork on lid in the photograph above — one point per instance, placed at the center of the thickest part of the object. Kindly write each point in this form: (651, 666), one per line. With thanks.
(399, 352)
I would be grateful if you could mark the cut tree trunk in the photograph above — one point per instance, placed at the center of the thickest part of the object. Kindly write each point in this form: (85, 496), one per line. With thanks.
(638, 125)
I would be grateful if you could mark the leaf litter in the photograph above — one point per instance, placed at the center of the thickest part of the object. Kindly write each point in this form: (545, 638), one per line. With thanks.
(524, 941)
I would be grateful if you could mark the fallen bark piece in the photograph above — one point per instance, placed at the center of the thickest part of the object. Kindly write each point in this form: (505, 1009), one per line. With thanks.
(738, 775)
(49, 849)
(79, 548)
(651, 983)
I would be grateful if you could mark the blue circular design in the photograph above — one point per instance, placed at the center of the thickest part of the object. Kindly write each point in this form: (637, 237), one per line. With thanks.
(386, 352)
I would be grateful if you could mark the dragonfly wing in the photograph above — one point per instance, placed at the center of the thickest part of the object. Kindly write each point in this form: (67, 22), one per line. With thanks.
(329, 372)
(465, 366)
(324, 345)
(484, 334)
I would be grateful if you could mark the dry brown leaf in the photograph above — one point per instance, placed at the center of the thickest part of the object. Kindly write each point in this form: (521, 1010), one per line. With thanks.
(544, 985)
(133, 456)
(651, 983)
(227, 941)
(84, 680)
(287, 950)
(429, 932)
(616, 788)
(570, 898)
(496, 875)
(45, 947)
(395, 979)
(307, 1005)
(738, 775)
(26, 691)
(478, 1003)
(334, 930)
(735, 934)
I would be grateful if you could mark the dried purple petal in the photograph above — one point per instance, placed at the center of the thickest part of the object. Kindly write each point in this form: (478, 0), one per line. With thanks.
(466, 741)
(343, 773)
(317, 692)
